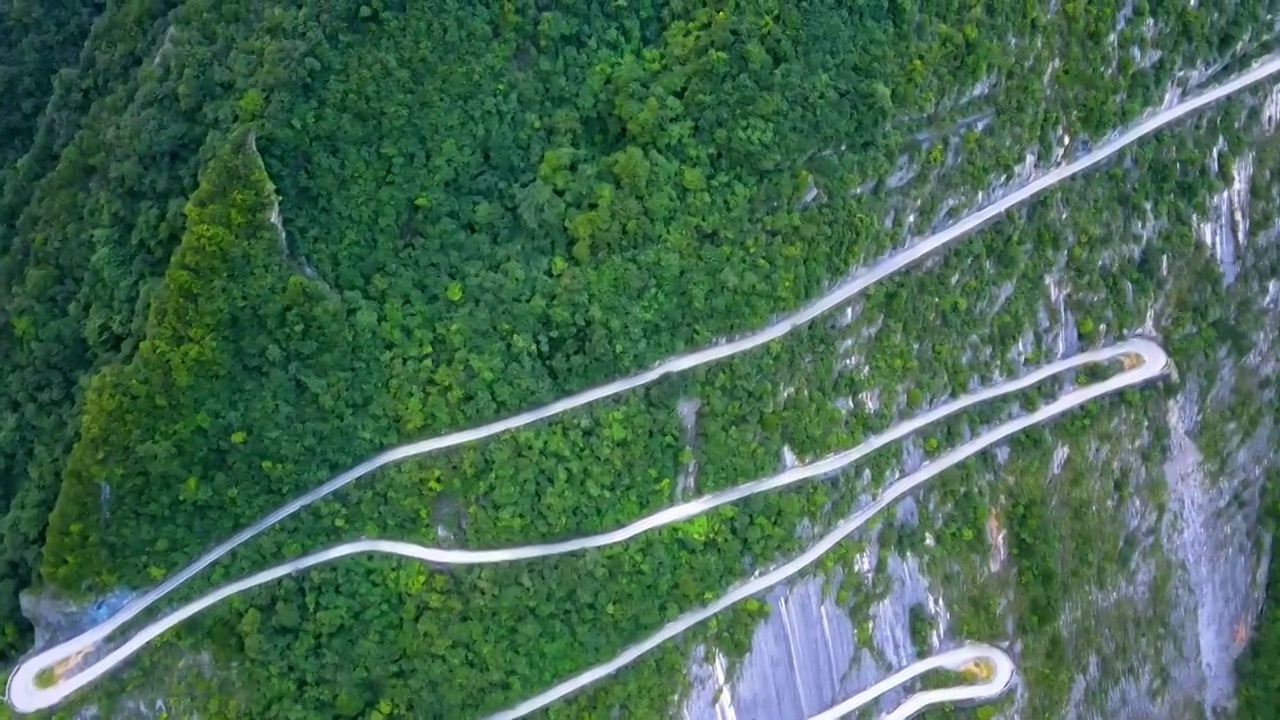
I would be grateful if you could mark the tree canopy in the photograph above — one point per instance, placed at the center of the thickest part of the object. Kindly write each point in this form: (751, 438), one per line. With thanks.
(244, 245)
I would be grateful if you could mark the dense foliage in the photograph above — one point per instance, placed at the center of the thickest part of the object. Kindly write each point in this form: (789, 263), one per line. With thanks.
(247, 244)
(1259, 667)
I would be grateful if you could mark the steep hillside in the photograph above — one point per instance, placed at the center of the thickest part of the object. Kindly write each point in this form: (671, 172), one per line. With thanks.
(246, 245)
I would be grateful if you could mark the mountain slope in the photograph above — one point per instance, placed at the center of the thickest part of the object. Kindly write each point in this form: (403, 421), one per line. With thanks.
(451, 214)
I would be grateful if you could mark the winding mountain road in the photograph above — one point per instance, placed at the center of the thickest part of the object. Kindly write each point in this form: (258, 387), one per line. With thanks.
(1153, 362)
(26, 696)
(1002, 670)
(23, 691)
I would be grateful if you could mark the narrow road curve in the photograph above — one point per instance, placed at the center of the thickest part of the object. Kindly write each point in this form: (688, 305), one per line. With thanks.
(1002, 674)
(22, 693)
(1154, 362)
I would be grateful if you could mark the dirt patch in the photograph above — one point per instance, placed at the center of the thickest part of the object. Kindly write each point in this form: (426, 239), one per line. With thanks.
(978, 670)
(995, 536)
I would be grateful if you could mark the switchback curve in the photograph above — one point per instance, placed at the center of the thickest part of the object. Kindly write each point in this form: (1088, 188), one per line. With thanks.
(1154, 362)
(25, 695)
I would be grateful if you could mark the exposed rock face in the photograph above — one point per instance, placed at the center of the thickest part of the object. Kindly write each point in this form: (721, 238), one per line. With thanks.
(806, 658)
(1213, 532)
(56, 619)
(798, 662)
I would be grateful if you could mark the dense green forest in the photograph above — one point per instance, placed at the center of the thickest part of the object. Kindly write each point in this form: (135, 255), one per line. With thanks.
(1259, 667)
(245, 244)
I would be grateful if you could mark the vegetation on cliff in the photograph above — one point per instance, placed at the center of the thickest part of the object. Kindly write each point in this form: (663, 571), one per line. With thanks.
(245, 245)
